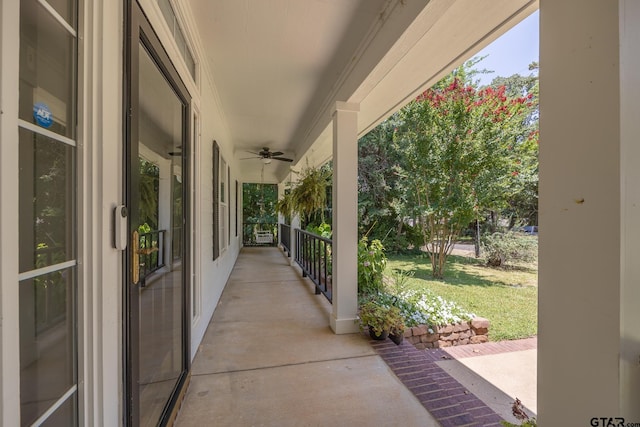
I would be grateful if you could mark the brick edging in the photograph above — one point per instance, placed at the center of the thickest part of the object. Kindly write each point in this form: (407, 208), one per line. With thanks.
(474, 331)
(442, 395)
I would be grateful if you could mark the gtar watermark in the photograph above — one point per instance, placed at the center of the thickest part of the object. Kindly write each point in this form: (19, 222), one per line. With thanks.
(612, 422)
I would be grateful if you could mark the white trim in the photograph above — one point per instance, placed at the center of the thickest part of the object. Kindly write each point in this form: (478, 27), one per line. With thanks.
(58, 17)
(46, 270)
(196, 280)
(55, 406)
(42, 131)
(167, 39)
(9, 217)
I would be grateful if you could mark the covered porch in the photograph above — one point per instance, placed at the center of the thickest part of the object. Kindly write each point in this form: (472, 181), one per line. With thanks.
(269, 358)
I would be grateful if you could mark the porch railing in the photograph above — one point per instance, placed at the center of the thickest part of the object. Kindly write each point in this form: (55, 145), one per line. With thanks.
(259, 234)
(285, 238)
(313, 255)
(152, 253)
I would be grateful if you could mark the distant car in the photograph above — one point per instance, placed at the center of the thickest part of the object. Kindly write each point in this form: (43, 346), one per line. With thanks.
(529, 229)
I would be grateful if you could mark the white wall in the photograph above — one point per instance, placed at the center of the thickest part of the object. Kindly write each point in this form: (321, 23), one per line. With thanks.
(214, 274)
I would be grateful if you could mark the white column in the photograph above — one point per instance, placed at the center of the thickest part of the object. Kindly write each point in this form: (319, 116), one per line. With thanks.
(630, 227)
(589, 326)
(345, 219)
(295, 223)
(280, 216)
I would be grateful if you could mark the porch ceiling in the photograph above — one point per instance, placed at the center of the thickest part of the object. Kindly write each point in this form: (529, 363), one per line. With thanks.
(279, 66)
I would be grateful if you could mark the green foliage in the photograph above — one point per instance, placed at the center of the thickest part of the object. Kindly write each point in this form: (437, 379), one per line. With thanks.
(501, 248)
(285, 206)
(149, 193)
(371, 264)
(259, 203)
(378, 191)
(323, 230)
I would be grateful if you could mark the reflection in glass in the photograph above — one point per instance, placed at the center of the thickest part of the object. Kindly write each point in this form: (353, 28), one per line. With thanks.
(47, 68)
(47, 343)
(66, 9)
(47, 201)
(64, 415)
(160, 298)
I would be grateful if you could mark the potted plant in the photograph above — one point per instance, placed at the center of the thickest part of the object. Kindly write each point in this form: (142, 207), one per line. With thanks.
(396, 330)
(381, 319)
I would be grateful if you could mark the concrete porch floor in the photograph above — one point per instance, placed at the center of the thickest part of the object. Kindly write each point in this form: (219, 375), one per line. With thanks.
(269, 358)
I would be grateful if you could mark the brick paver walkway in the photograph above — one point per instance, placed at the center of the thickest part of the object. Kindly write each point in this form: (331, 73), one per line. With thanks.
(497, 347)
(442, 395)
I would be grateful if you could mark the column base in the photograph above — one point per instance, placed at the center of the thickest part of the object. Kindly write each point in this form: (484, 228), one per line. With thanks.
(344, 326)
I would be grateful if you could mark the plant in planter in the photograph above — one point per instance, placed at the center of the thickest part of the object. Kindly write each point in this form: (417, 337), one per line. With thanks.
(396, 330)
(381, 318)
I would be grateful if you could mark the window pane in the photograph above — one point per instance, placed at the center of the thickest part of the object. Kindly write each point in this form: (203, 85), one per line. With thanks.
(191, 64)
(47, 71)
(47, 201)
(167, 12)
(181, 42)
(47, 341)
(66, 9)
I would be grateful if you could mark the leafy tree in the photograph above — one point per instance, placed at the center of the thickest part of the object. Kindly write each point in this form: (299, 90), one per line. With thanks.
(523, 203)
(378, 192)
(462, 151)
(259, 203)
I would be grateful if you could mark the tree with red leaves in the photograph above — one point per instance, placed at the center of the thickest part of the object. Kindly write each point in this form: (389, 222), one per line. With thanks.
(465, 150)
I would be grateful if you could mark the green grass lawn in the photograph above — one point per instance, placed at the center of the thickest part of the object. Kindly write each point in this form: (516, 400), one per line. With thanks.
(507, 297)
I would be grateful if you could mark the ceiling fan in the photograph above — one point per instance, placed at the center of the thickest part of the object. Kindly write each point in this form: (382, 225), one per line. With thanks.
(266, 155)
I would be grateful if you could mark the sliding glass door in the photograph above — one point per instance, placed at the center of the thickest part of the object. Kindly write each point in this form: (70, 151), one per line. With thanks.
(157, 255)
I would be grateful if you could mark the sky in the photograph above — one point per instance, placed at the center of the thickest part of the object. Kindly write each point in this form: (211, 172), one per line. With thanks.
(513, 51)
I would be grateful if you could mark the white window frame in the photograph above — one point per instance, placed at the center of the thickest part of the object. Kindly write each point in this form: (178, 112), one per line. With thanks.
(223, 205)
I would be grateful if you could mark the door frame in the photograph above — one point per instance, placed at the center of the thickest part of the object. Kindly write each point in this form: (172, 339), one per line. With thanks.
(138, 30)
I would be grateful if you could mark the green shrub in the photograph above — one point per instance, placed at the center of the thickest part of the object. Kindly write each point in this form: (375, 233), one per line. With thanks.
(501, 248)
(323, 230)
(371, 264)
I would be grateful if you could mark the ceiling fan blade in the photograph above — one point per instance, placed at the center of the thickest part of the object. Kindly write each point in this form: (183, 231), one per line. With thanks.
(284, 159)
(276, 153)
(247, 158)
(251, 152)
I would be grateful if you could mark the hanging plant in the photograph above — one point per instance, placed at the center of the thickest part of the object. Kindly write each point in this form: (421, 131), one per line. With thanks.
(310, 194)
(307, 196)
(284, 206)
